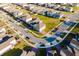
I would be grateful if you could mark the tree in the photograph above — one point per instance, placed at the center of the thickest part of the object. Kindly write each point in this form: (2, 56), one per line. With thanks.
(27, 48)
(41, 52)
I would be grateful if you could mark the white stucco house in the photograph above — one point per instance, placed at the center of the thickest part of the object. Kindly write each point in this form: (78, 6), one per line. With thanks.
(6, 46)
(37, 25)
(25, 18)
(2, 32)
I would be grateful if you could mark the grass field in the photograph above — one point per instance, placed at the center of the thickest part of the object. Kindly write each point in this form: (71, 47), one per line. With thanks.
(76, 29)
(76, 8)
(20, 45)
(50, 22)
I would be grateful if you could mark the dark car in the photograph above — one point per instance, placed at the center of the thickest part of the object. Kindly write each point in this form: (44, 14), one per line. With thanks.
(27, 38)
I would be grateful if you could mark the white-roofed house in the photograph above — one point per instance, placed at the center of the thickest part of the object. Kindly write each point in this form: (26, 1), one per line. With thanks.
(68, 9)
(25, 18)
(37, 25)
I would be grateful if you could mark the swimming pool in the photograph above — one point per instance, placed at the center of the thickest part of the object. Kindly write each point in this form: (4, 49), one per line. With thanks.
(50, 39)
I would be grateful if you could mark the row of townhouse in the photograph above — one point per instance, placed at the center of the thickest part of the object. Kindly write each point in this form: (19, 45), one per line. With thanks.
(56, 6)
(42, 11)
(70, 4)
(6, 42)
(53, 14)
(26, 18)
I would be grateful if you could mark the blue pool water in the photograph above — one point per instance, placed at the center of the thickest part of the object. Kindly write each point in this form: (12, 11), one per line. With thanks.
(50, 39)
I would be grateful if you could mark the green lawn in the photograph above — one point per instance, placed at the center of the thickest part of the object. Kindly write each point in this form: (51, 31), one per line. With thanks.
(50, 22)
(20, 45)
(76, 29)
(76, 8)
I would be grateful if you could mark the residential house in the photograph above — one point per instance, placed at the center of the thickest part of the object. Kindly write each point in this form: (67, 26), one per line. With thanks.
(50, 5)
(53, 14)
(28, 6)
(56, 6)
(19, 4)
(25, 18)
(41, 4)
(68, 9)
(34, 10)
(71, 4)
(39, 11)
(2, 32)
(16, 13)
(6, 42)
(68, 4)
(60, 8)
(37, 24)
(77, 5)
(7, 45)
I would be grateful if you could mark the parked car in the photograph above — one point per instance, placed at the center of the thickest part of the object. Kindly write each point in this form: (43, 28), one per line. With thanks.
(27, 37)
